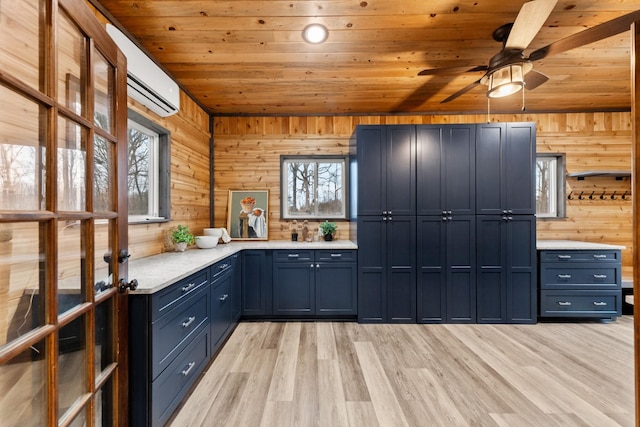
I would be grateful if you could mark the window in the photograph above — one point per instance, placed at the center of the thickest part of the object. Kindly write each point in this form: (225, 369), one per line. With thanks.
(550, 185)
(314, 187)
(148, 176)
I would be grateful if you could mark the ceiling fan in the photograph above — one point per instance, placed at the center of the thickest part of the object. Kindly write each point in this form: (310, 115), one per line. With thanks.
(510, 70)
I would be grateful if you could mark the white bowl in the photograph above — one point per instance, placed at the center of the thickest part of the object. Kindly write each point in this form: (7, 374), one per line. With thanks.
(215, 232)
(206, 242)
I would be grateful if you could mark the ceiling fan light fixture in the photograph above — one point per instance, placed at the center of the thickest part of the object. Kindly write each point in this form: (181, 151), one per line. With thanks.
(315, 33)
(506, 81)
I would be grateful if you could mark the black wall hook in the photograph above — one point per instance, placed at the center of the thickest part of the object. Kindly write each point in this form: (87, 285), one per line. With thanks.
(613, 195)
(570, 196)
(580, 196)
(624, 196)
(602, 195)
(591, 195)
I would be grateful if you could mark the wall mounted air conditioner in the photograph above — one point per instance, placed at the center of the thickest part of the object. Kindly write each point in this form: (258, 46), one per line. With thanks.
(146, 82)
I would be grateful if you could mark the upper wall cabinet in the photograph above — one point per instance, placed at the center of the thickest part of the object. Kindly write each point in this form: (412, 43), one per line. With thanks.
(386, 185)
(505, 158)
(446, 169)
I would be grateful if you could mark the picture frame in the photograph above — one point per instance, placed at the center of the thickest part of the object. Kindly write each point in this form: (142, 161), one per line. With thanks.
(247, 214)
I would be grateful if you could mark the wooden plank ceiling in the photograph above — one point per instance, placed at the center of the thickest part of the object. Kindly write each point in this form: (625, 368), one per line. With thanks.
(248, 57)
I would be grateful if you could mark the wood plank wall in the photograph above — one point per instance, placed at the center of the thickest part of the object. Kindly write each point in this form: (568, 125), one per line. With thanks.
(190, 178)
(247, 156)
(189, 170)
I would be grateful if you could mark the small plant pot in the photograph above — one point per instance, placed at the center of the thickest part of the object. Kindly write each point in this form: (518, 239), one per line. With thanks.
(328, 237)
(180, 246)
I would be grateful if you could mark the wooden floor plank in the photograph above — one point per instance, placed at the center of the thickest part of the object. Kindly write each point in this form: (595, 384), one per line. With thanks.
(385, 403)
(284, 375)
(347, 374)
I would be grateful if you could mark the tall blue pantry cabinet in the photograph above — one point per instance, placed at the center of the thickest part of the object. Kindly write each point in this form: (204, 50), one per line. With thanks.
(446, 223)
(446, 286)
(386, 224)
(506, 224)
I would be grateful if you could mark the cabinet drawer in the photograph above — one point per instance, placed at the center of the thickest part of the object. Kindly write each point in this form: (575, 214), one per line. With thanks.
(580, 256)
(323, 255)
(220, 268)
(293, 255)
(556, 276)
(171, 333)
(168, 390)
(168, 298)
(580, 303)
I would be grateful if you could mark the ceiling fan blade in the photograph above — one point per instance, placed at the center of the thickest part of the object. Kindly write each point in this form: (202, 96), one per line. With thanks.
(461, 92)
(591, 35)
(418, 97)
(533, 79)
(530, 19)
(452, 70)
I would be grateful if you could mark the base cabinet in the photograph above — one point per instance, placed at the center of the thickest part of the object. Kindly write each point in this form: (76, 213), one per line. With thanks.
(173, 335)
(580, 283)
(169, 346)
(314, 283)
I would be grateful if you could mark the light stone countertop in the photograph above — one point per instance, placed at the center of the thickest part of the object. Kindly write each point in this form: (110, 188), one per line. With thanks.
(573, 245)
(156, 272)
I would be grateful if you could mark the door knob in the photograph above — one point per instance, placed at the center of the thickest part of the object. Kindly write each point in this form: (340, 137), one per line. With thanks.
(123, 285)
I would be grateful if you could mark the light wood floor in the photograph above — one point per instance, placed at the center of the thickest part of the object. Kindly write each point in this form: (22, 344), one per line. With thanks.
(348, 374)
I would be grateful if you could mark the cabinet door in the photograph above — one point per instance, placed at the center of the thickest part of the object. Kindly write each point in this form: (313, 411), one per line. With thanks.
(386, 170)
(446, 169)
(256, 283)
(294, 288)
(220, 310)
(461, 274)
(522, 270)
(430, 164)
(491, 283)
(372, 269)
(519, 177)
(400, 171)
(505, 160)
(336, 292)
(236, 288)
(507, 289)
(401, 270)
(490, 139)
(371, 154)
(431, 268)
(460, 170)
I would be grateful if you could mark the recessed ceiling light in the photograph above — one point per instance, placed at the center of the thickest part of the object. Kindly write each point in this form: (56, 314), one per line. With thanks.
(315, 33)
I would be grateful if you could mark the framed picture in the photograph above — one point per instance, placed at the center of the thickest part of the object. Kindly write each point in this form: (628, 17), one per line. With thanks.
(247, 214)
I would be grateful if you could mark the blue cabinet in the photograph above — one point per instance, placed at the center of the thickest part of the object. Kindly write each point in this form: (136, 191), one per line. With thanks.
(387, 269)
(256, 283)
(386, 170)
(222, 295)
(169, 346)
(446, 291)
(505, 174)
(446, 170)
(507, 269)
(580, 283)
(314, 283)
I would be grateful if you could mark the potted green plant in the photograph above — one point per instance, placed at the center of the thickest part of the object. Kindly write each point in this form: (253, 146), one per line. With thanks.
(328, 230)
(181, 237)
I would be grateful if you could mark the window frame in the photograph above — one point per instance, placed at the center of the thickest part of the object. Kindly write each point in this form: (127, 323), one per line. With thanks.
(161, 185)
(318, 158)
(559, 187)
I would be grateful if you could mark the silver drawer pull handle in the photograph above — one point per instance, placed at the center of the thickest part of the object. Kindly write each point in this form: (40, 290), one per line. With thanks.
(189, 321)
(564, 303)
(564, 256)
(336, 255)
(599, 303)
(564, 276)
(599, 256)
(223, 266)
(293, 255)
(189, 368)
(599, 276)
(188, 287)
(223, 297)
